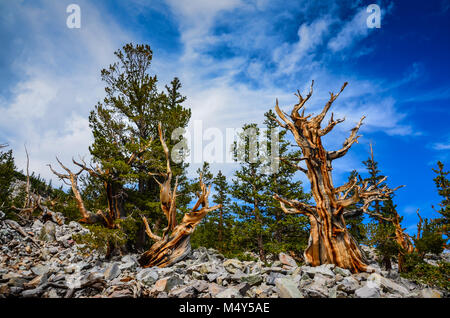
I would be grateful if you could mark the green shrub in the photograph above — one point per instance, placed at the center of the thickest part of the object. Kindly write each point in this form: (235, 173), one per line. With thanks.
(422, 272)
(101, 238)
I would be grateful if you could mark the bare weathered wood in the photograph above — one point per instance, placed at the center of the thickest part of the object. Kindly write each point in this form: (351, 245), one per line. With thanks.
(15, 226)
(71, 179)
(174, 244)
(401, 237)
(329, 241)
(27, 190)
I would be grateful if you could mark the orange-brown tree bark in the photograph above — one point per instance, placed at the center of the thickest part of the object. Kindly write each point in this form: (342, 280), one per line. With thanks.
(402, 238)
(71, 179)
(330, 242)
(112, 185)
(174, 244)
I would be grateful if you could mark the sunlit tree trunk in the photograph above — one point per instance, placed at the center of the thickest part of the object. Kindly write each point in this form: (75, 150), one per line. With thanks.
(330, 242)
(174, 244)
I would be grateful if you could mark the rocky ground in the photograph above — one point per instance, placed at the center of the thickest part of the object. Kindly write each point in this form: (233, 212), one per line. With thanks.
(44, 261)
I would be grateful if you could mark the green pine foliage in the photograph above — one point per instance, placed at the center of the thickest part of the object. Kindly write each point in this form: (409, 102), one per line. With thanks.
(216, 229)
(261, 226)
(430, 240)
(381, 233)
(126, 123)
(443, 187)
(424, 273)
(286, 232)
(7, 175)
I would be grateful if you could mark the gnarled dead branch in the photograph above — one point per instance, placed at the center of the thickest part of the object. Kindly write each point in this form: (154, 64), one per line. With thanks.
(174, 244)
(329, 242)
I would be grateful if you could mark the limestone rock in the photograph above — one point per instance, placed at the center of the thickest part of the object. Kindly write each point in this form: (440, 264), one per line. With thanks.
(287, 288)
(287, 260)
(367, 292)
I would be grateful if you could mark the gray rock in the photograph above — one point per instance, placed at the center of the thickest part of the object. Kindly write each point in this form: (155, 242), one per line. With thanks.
(17, 281)
(367, 292)
(270, 279)
(252, 279)
(64, 240)
(287, 288)
(147, 276)
(392, 274)
(53, 250)
(201, 286)
(335, 293)
(53, 294)
(183, 292)
(361, 276)
(243, 288)
(48, 232)
(375, 268)
(325, 269)
(40, 269)
(112, 271)
(164, 272)
(212, 277)
(318, 288)
(348, 285)
(37, 225)
(233, 266)
(215, 289)
(75, 226)
(386, 284)
(408, 284)
(231, 292)
(35, 292)
(342, 271)
(128, 262)
(287, 260)
(168, 283)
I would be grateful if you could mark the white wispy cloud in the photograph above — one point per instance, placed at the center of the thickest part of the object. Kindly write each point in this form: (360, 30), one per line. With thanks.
(47, 109)
(61, 84)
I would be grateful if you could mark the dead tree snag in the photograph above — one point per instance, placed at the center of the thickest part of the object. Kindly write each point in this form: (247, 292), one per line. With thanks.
(34, 202)
(174, 244)
(71, 179)
(402, 238)
(330, 242)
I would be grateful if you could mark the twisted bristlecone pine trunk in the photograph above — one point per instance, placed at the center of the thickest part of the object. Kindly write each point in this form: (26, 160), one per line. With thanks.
(330, 242)
(174, 244)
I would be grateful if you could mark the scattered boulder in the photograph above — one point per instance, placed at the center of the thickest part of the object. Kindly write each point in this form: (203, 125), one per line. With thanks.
(386, 284)
(348, 285)
(231, 292)
(112, 271)
(53, 266)
(48, 232)
(147, 276)
(342, 271)
(367, 292)
(40, 269)
(167, 283)
(287, 260)
(325, 269)
(287, 288)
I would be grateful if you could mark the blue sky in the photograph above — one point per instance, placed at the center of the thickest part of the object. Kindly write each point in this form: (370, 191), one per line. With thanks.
(234, 58)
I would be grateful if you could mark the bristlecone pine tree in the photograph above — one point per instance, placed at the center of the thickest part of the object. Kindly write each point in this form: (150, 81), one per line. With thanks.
(174, 244)
(330, 241)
